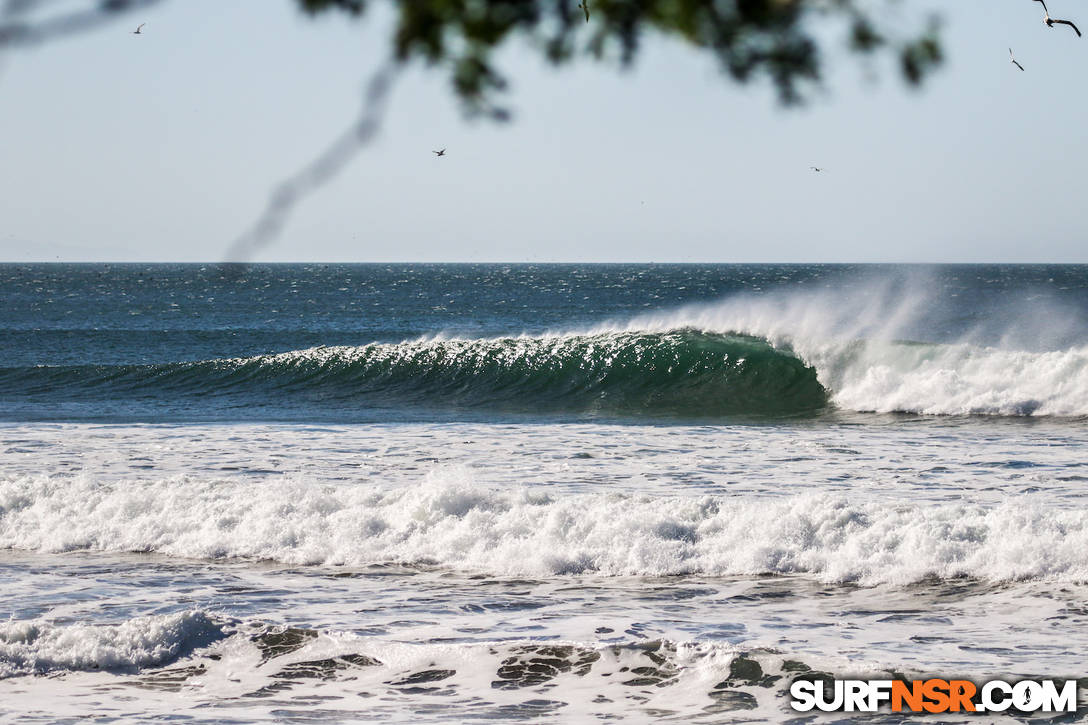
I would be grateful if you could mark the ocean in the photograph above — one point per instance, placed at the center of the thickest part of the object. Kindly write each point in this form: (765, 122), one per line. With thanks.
(547, 493)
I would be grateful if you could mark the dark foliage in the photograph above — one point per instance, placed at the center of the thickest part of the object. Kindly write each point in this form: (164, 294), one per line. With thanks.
(749, 38)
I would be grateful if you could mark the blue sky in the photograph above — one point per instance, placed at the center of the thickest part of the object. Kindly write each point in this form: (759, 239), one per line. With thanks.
(164, 147)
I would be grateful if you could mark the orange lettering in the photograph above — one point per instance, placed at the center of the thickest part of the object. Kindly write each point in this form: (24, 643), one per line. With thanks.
(937, 692)
(961, 692)
(911, 694)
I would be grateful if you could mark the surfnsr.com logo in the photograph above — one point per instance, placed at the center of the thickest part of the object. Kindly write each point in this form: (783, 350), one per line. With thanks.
(934, 695)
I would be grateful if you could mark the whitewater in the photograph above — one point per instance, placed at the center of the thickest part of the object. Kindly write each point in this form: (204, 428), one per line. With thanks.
(446, 493)
(527, 533)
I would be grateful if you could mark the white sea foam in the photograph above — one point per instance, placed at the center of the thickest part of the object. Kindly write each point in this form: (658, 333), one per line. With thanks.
(39, 646)
(450, 521)
(1012, 365)
(555, 681)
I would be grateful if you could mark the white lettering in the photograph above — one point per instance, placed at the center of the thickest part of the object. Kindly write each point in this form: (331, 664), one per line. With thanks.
(804, 695)
(1027, 695)
(1064, 701)
(996, 705)
(854, 697)
(880, 691)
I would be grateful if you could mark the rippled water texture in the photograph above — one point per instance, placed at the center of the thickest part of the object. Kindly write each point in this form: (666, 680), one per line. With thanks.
(557, 494)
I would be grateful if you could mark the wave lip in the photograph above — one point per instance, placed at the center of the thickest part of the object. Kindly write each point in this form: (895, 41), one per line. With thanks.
(39, 646)
(670, 373)
(691, 365)
(448, 521)
(882, 349)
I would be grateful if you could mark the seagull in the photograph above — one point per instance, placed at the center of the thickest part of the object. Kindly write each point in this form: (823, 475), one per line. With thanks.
(1050, 21)
(585, 6)
(138, 30)
(816, 168)
(439, 153)
(1013, 60)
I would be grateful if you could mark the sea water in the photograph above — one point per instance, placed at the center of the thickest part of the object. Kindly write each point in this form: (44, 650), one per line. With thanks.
(564, 493)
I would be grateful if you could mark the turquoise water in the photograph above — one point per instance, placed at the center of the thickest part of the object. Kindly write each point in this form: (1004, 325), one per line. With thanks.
(449, 493)
(362, 343)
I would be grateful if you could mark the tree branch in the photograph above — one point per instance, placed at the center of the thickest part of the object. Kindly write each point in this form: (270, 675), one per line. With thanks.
(15, 33)
(286, 196)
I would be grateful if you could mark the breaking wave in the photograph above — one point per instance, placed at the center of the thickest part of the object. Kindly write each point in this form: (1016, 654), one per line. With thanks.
(450, 522)
(40, 646)
(670, 373)
(870, 350)
(890, 349)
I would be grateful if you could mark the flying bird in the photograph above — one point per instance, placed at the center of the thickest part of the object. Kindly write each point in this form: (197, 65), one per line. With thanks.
(139, 29)
(585, 7)
(816, 168)
(439, 153)
(1051, 21)
(1013, 60)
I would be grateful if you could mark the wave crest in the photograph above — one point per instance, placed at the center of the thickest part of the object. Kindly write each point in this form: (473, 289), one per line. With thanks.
(882, 349)
(40, 646)
(668, 373)
(872, 349)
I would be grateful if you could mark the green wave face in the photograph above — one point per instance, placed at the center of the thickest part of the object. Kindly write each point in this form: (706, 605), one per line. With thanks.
(678, 373)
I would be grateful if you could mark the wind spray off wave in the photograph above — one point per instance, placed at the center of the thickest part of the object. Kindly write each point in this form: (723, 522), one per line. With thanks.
(418, 492)
(873, 351)
(880, 346)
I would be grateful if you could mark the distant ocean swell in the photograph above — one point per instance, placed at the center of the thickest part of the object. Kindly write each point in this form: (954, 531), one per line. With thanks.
(450, 522)
(673, 372)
